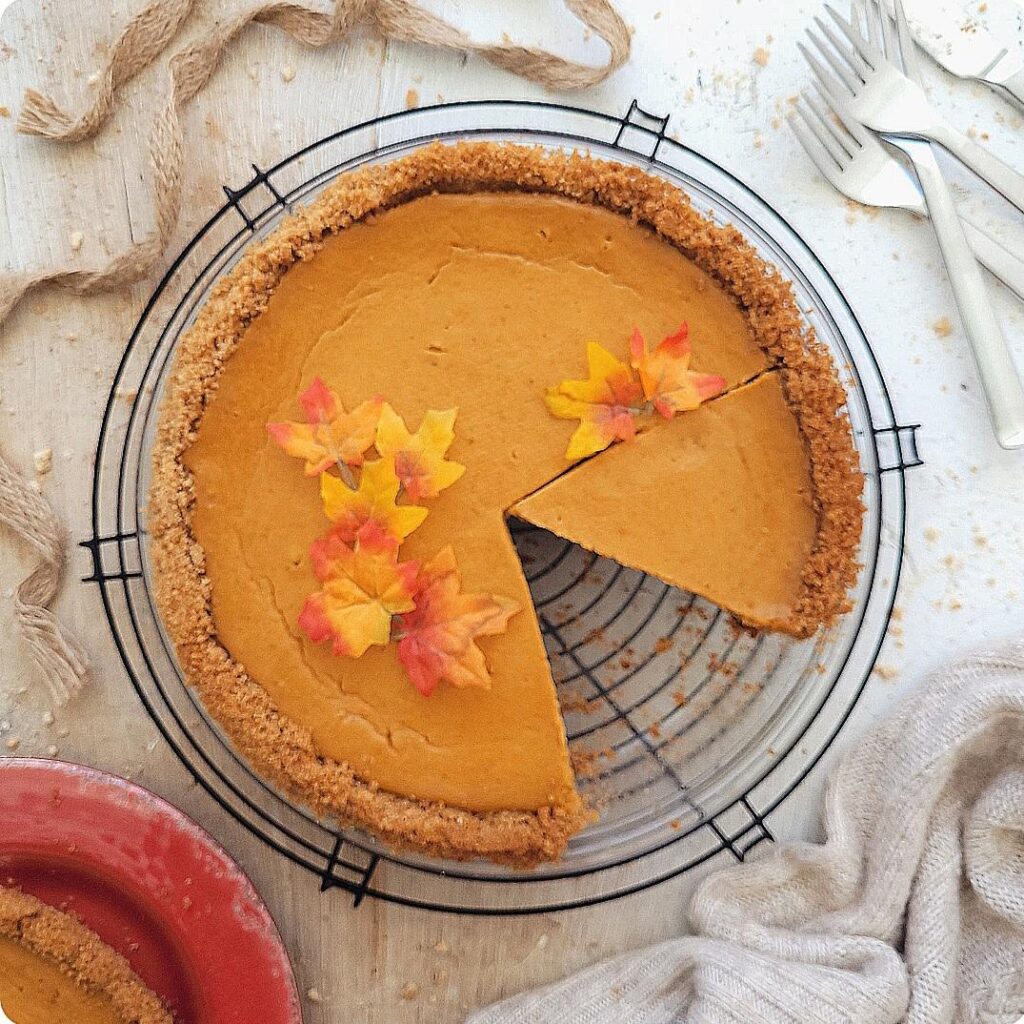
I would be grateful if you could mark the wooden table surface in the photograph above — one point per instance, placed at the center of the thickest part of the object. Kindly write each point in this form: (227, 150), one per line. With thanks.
(724, 71)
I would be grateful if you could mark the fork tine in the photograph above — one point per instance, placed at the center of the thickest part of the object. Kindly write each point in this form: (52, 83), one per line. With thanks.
(847, 146)
(862, 21)
(841, 111)
(867, 55)
(852, 56)
(839, 67)
(908, 51)
(817, 120)
(830, 85)
(888, 39)
(819, 155)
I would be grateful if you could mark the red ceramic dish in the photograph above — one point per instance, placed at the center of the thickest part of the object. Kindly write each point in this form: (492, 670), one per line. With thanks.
(151, 884)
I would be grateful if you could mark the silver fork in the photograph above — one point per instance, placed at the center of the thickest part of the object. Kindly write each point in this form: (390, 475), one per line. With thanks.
(995, 365)
(883, 97)
(858, 165)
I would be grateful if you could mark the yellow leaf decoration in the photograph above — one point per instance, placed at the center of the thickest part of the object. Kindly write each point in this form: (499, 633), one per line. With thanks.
(331, 436)
(419, 458)
(607, 403)
(374, 501)
(437, 638)
(362, 587)
(666, 378)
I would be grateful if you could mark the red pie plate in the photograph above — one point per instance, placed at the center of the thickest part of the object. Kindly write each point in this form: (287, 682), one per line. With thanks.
(151, 884)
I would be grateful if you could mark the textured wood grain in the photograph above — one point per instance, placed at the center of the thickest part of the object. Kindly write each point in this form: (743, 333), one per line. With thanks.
(58, 355)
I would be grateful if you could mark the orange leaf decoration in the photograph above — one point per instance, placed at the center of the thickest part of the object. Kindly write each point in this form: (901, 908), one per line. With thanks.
(606, 404)
(665, 375)
(331, 436)
(374, 501)
(437, 639)
(362, 587)
(419, 458)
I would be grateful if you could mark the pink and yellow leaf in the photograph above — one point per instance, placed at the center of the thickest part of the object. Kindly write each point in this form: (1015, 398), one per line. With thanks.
(419, 458)
(374, 501)
(437, 639)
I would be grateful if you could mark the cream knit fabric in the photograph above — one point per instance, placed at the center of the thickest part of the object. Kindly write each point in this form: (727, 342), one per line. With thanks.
(912, 910)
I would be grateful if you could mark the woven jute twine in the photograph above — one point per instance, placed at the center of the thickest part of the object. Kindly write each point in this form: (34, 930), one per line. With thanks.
(143, 40)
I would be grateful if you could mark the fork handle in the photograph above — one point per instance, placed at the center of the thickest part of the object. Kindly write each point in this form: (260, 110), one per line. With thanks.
(1000, 176)
(1006, 265)
(1013, 87)
(998, 374)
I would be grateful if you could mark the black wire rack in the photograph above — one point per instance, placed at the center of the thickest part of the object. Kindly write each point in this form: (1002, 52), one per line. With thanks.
(687, 732)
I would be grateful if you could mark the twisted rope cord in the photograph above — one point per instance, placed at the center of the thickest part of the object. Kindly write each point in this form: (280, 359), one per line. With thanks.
(146, 36)
(150, 32)
(58, 656)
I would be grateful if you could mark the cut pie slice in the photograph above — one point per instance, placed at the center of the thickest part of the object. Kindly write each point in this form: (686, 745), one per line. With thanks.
(468, 277)
(53, 969)
(719, 502)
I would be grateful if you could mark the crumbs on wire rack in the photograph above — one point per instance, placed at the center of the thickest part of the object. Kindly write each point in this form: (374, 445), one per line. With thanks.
(584, 763)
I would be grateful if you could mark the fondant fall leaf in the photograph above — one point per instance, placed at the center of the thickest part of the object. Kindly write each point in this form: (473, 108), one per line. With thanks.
(419, 458)
(331, 436)
(607, 403)
(374, 501)
(437, 638)
(362, 587)
(666, 378)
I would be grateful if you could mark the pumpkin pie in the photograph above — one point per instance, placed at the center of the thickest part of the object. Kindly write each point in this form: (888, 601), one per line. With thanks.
(472, 277)
(54, 969)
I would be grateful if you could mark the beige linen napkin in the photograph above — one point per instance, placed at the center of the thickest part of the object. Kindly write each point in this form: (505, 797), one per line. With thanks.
(912, 910)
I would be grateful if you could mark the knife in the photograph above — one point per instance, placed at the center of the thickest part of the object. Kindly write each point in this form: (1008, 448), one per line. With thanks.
(967, 50)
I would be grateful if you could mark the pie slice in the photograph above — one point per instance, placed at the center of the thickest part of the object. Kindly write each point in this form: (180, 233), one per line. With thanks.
(466, 277)
(54, 969)
(719, 502)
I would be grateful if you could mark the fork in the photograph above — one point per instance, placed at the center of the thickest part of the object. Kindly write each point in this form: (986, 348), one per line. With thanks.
(858, 165)
(884, 98)
(991, 355)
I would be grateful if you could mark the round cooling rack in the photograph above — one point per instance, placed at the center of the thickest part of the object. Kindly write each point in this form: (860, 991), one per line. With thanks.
(686, 732)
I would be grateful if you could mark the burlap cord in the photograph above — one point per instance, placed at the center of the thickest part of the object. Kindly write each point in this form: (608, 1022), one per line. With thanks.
(152, 30)
(147, 36)
(25, 511)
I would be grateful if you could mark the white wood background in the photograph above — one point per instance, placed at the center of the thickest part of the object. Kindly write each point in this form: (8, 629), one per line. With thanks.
(724, 69)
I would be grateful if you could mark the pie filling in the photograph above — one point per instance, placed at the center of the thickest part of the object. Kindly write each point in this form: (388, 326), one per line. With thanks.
(469, 302)
(477, 300)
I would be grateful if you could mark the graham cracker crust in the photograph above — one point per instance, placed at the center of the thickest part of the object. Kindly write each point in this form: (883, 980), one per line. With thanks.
(277, 747)
(80, 954)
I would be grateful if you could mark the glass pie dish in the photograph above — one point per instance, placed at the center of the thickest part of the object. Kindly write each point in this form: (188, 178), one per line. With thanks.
(689, 749)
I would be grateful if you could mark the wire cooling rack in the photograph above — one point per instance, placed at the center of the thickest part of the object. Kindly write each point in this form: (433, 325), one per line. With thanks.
(686, 732)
